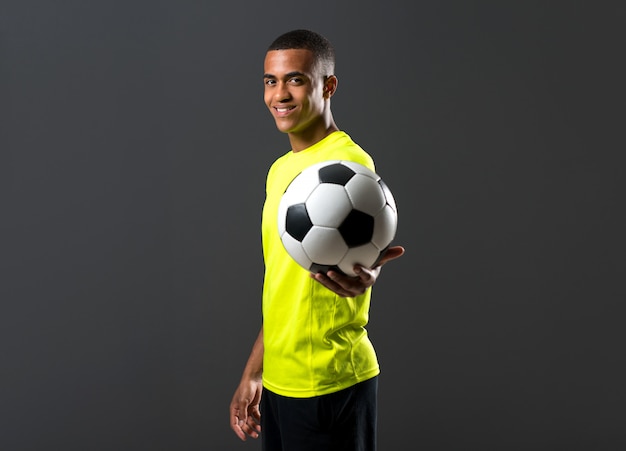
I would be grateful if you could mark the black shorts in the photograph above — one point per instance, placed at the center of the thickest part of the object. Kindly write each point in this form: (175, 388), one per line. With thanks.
(341, 421)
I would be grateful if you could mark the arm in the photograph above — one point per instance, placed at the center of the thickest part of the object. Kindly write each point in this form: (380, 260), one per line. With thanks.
(346, 286)
(244, 407)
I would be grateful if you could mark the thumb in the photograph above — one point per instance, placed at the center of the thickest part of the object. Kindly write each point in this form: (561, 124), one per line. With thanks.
(243, 412)
(391, 254)
(366, 275)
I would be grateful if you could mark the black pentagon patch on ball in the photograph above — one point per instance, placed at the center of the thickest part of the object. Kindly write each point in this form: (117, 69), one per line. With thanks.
(357, 228)
(336, 173)
(297, 221)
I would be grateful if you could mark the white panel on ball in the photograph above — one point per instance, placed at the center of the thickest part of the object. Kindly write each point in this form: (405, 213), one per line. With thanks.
(365, 194)
(302, 185)
(390, 199)
(385, 224)
(365, 255)
(295, 250)
(324, 245)
(322, 212)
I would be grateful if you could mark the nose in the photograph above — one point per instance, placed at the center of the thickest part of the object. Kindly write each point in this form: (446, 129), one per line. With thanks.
(282, 93)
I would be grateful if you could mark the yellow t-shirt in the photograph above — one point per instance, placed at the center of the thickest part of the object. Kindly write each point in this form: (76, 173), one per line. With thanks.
(315, 342)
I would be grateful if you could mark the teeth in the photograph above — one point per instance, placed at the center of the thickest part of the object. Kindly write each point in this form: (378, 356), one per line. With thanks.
(282, 110)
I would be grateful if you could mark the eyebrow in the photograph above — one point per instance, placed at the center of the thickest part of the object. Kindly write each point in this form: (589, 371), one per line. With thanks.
(287, 75)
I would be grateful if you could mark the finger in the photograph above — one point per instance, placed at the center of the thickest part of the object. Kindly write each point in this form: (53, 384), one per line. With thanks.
(365, 275)
(253, 427)
(236, 426)
(241, 413)
(239, 417)
(256, 413)
(351, 286)
(391, 254)
(244, 429)
(252, 430)
(330, 284)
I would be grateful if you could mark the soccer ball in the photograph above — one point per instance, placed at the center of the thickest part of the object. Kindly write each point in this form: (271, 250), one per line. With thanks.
(335, 214)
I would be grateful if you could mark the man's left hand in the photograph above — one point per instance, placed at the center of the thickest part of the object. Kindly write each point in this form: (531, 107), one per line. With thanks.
(346, 286)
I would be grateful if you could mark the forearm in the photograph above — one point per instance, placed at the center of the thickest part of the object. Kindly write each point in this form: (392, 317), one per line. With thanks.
(254, 365)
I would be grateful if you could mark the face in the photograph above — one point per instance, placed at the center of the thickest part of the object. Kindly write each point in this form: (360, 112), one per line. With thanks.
(296, 91)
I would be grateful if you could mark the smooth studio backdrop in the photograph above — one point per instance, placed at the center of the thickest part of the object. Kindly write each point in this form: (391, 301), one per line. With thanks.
(134, 145)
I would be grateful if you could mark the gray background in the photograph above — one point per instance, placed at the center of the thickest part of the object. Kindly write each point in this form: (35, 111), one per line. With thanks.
(134, 147)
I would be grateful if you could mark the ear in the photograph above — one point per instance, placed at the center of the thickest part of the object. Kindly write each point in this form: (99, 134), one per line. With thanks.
(330, 86)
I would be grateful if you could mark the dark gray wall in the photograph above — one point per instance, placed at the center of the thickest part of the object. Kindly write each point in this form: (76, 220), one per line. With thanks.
(134, 145)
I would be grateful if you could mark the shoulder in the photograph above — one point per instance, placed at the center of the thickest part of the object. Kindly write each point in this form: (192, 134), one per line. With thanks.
(348, 149)
(278, 163)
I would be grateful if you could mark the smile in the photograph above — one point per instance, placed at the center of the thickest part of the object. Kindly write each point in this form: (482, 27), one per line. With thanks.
(283, 110)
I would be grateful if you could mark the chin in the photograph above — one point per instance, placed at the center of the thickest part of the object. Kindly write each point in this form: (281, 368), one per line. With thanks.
(284, 128)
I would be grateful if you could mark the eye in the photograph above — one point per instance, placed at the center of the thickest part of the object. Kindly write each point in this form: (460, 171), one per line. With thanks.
(296, 80)
(269, 82)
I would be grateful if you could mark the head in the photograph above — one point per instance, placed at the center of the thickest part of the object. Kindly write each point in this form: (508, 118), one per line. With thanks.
(299, 82)
(320, 47)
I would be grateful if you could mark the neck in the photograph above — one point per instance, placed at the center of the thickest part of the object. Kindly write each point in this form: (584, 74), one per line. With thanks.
(306, 138)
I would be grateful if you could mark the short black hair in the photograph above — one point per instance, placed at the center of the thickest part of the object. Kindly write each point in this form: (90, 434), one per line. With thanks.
(322, 49)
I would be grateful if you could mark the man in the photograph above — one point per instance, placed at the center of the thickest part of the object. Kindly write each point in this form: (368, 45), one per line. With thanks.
(312, 360)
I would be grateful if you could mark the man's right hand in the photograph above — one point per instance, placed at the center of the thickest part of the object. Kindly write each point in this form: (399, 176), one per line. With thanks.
(245, 415)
